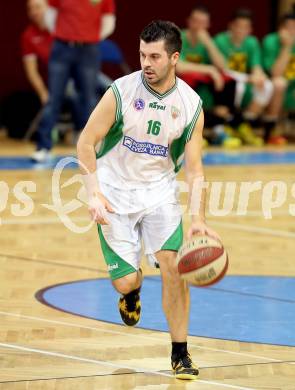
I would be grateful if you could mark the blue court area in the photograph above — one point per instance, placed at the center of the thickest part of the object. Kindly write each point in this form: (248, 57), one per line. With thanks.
(254, 309)
(210, 158)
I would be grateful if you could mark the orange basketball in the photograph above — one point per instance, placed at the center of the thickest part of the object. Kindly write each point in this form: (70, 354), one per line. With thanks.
(202, 261)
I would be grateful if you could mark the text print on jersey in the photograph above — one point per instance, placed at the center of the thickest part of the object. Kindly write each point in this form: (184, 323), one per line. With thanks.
(157, 106)
(145, 147)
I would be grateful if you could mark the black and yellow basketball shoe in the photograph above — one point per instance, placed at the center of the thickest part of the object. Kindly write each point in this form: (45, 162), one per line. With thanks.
(183, 367)
(130, 307)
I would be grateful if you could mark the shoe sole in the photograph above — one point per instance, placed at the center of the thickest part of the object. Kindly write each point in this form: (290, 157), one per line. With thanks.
(186, 376)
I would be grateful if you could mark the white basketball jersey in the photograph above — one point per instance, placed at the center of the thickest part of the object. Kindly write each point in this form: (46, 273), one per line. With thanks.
(146, 143)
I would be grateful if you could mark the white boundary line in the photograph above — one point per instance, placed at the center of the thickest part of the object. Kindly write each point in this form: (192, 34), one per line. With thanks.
(254, 229)
(133, 335)
(114, 365)
(56, 220)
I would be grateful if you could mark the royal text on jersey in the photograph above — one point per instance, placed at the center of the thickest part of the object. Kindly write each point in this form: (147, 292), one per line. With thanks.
(157, 106)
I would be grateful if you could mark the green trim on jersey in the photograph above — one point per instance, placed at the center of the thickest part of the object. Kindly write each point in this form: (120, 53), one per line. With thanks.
(117, 267)
(175, 241)
(178, 145)
(115, 133)
(118, 100)
(114, 136)
(157, 94)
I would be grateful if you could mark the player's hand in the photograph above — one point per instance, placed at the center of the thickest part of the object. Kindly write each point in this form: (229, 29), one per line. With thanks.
(98, 206)
(201, 228)
(258, 79)
(286, 38)
(44, 96)
(217, 78)
(203, 36)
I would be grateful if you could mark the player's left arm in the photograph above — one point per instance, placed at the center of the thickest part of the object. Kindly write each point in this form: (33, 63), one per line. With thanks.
(195, 178)
(108, 19)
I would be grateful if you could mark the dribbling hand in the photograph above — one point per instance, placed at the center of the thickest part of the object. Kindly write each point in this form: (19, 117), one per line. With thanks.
(98, 206)
(202, 229)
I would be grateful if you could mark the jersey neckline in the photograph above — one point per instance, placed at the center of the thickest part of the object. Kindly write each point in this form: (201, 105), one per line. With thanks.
(158, 95)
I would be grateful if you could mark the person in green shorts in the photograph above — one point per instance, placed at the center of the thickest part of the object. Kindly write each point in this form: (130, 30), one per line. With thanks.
(279, 62)
(201, 66)
(135, 141)
(243, 55)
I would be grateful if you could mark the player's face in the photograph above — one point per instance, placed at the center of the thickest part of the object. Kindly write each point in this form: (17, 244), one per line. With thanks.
(198, 21)
(155, 62)
(36, 10)
(289, 25)
(241, 28)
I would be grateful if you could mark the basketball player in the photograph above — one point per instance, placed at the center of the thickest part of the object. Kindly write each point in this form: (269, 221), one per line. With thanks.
(141, 129)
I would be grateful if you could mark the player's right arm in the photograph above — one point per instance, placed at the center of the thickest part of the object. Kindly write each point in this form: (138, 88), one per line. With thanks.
(97, 127)
(287, 41)
(33, 75)
(206, 69)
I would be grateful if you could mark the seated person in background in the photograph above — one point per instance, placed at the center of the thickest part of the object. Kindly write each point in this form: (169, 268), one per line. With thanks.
(201, 66)
(36, 42)
(243, 55)
(279, 62)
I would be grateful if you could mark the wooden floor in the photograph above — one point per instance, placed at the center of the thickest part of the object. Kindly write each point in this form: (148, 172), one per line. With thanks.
(43, 348)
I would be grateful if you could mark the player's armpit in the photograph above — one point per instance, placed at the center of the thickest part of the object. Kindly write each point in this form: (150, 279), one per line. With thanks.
(98, 125)
(193, 150)
(194, 172)
(101, 120)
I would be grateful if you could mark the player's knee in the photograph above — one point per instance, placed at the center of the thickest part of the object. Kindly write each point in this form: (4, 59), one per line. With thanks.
(126, 284)
(280, 84)
(169, 270)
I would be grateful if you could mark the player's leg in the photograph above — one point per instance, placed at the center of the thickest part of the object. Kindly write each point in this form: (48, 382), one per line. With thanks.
(273, 111)
(175, 296)
(176, 304)
(163, 235)
(251, 110)
(59, 71)
(121, 249)
(85, 77)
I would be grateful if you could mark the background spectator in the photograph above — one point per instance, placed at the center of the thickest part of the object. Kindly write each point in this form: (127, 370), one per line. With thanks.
(242, 53)
(201, 65)
(279, 62)
(36, 42)
(79, 28)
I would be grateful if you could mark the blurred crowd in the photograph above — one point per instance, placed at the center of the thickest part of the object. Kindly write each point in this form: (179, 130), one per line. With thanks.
(247, 86)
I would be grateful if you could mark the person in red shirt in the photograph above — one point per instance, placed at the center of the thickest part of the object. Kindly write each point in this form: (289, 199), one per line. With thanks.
(79, 28)
(36, 42)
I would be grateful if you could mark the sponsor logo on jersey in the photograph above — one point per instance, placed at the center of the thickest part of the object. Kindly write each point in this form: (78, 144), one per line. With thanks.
(139, 104)
(145, 147)
(175, 112)
(111, 267)
(157, 106)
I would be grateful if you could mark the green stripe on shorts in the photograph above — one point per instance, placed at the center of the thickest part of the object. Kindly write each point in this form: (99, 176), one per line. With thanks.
(117, 267)
(175, 241)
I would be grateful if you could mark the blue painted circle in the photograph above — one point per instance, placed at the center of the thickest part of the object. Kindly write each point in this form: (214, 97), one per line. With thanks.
(244, 308)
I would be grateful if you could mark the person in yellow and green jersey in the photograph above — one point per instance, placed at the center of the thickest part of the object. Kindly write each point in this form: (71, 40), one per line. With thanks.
(201, 66)
(279, 61)
(254, 90)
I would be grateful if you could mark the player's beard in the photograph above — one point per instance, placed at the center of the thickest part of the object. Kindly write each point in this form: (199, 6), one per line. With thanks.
(157, 78)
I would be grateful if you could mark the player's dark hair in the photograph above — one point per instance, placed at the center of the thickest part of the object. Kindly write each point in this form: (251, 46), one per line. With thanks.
(201, 8)
(242, 13)
(163, 30)
(287, 16)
